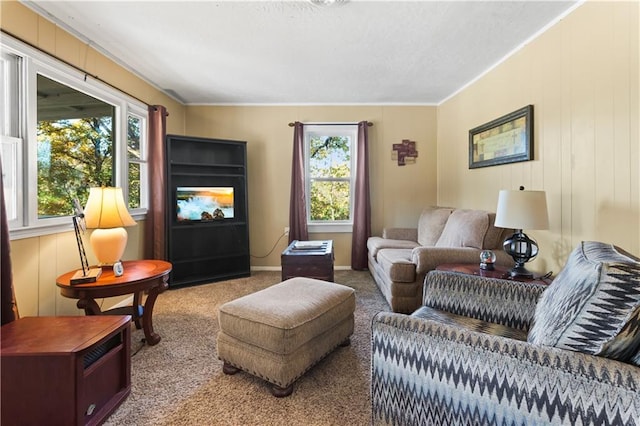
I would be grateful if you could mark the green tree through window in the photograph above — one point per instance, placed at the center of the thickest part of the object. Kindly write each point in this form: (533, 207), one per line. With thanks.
(134, 155)
(73, 155)
(330, 178)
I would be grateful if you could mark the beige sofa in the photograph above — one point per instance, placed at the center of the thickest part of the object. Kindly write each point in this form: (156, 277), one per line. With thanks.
(400, 259)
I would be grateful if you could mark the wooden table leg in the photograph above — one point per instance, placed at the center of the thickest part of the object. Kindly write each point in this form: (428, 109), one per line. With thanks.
(151, 337)
(137, 309)
(90, 306)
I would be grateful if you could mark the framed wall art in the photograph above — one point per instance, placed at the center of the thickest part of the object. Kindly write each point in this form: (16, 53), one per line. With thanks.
(508, 139)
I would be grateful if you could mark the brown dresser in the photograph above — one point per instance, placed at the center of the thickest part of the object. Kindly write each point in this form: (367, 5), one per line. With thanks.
(64, 370)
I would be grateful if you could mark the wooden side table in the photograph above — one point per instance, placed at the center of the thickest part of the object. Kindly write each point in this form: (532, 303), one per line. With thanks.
(498, 272)
(139, 276)
(64, 370)
(311, 259)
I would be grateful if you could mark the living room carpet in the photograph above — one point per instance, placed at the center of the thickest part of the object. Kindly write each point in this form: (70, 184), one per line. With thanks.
(180, 381)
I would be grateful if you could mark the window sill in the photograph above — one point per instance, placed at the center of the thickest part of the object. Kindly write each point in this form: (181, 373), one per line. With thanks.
(40, 231)
(317, 228)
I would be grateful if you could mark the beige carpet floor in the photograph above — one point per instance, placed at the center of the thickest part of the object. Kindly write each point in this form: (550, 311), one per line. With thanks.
(180, 381)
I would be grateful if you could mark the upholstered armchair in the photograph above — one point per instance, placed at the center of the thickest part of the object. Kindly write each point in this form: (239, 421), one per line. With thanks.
(497, 352)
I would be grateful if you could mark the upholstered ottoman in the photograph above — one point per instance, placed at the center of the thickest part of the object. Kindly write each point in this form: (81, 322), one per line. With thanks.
(280, 332)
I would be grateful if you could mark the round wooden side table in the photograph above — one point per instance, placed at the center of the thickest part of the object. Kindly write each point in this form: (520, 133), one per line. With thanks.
(139, 276)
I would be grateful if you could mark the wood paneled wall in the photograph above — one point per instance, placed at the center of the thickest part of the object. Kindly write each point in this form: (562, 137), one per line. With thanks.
(581, 75)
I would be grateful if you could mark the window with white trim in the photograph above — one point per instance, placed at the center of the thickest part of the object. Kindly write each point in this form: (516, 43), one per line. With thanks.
(136, 156)
(10, 136)
(62, 133)
(330, 152)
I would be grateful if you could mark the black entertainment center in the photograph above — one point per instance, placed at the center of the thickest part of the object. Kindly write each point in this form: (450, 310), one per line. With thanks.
(207, 212)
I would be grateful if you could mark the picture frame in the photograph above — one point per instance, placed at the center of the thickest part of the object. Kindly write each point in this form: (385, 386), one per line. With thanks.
(508, 139)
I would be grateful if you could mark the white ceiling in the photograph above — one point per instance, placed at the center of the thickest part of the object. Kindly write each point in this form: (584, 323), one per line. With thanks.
(295, 52)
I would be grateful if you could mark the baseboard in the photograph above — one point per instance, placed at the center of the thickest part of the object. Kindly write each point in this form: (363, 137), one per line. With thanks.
(279, 268)
(266, 268)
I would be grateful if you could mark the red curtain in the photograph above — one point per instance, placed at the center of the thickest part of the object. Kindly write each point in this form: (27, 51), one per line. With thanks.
(298, 205)
(155, 229)
(362, 203)
(8, 307)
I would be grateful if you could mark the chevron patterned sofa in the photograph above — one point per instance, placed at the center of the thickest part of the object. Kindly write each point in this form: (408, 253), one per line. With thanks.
(475, 352)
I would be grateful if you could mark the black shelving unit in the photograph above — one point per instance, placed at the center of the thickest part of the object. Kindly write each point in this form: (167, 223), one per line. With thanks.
(206, 247)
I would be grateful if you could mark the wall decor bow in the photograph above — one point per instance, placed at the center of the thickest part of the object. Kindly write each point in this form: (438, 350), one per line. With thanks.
(405, 152)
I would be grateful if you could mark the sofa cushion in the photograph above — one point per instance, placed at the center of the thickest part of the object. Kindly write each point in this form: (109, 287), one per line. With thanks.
(593, 306)
(396, 263)
(375, 244)
(464, 228)
(430, 225)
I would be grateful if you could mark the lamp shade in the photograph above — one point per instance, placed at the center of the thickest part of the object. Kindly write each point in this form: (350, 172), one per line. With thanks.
(106, 209)
(522, 210)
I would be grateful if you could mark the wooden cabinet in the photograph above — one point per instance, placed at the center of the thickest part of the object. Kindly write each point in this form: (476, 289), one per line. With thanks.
(312, 260)
(207, 222)
(64, 370)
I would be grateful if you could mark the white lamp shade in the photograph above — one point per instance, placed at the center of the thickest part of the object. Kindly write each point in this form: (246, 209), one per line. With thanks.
(522, 210)
(106, 209)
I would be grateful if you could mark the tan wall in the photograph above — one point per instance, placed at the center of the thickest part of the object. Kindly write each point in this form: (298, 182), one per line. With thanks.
(398, 193)
(582, 78)
(38, 261)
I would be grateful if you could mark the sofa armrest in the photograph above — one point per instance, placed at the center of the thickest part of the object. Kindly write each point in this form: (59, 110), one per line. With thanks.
(410, 234)
(428, 258)
(506, 302)
(425, 372)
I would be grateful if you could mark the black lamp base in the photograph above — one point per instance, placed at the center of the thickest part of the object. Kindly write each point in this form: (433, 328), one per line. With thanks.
(522, 249)
(519, 271)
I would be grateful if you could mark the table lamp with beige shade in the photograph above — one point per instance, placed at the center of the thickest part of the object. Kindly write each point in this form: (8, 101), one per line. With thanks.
(107, 214)
(521, 210)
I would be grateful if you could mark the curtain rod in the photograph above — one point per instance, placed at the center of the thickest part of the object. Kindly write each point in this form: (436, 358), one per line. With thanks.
(77, 68)
(369, 124)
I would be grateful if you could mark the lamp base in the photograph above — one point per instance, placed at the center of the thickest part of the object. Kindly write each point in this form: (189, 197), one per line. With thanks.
(108, 244)
(519, 271)
(522, 249)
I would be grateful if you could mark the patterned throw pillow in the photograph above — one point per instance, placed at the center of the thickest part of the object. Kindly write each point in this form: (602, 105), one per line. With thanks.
(593, 306)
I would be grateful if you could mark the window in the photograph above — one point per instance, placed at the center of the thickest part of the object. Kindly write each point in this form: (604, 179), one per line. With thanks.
(10, 135)
(65, 133)
(75, 146)
(329, 165)
(135, 155)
